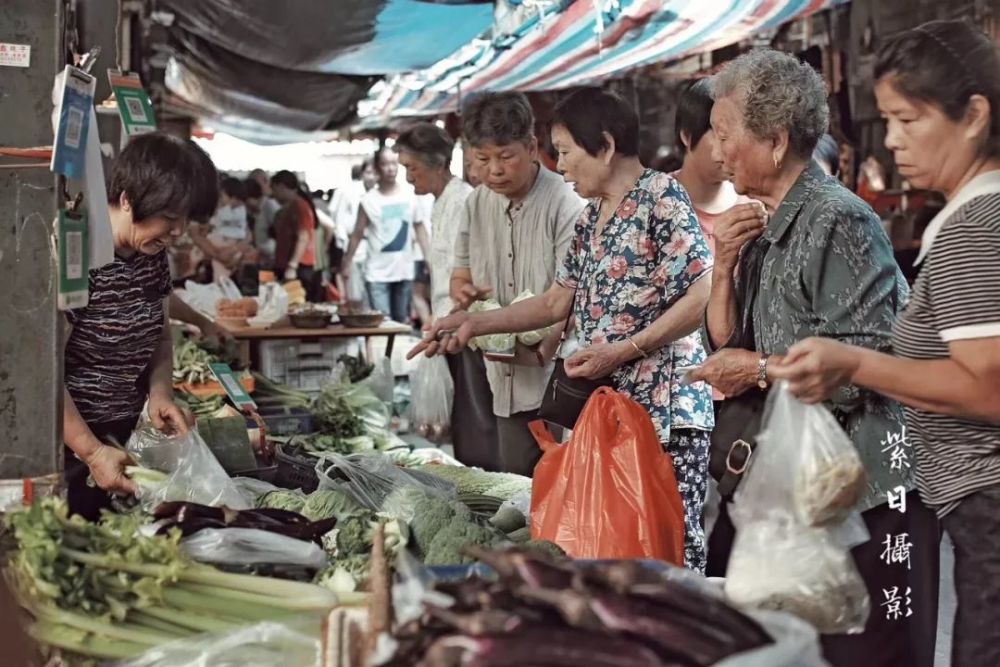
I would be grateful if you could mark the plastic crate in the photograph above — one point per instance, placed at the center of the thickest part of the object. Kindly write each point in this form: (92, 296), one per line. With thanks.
(295, 472)
(304, 363)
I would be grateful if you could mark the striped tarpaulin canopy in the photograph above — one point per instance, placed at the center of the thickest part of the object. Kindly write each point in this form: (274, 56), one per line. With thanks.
(582, 46)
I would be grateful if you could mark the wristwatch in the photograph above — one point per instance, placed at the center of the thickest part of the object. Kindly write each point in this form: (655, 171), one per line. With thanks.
(762, 372)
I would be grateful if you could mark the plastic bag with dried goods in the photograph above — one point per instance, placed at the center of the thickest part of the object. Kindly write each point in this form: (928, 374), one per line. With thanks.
(432, 392)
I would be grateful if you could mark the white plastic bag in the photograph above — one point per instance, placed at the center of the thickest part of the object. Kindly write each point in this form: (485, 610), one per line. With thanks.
(293, 643)
(370, 478)
(432, 393)
(249, 546)
(193, 473)
(779, 561)
(796, 644)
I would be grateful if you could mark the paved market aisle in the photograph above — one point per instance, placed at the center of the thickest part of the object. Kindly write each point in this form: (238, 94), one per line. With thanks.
(946, 605)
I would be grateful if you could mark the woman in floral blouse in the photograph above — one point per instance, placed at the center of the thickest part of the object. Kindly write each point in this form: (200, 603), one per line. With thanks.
(637, 277)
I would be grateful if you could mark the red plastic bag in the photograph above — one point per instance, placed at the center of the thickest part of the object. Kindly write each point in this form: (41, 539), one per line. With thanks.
(610, 492)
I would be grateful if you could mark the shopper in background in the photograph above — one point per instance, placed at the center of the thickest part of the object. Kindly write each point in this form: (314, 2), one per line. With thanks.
(363, 179)
(263, 229)
(425, 151)
(827, 155)
(636, 278)
(295, 235)
(387, 218)
(118, 350)
(229, 231)
(938, 86)
(469, 166)
(421, 299)
(821, 265)
(701, 174)
(513, 236)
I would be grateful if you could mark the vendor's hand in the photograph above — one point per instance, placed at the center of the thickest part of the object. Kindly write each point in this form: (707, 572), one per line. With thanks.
(732, 371)
(469, 294)
(168, 417)
(291, 274)
(598, 361)
(445, 335)
(107, 467)
(734, 228)
(817, 367)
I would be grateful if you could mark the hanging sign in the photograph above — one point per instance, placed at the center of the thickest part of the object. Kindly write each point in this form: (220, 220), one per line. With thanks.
(74, 259)
(134, 105)
(69, 151)
(15, 55)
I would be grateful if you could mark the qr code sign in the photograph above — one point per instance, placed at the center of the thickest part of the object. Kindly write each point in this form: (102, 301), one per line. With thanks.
(74, 255)
(74, 127)
(135, 110)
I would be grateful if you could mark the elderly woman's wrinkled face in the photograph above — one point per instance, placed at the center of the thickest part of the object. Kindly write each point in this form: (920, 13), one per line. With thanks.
(506, 169)
(418, 173)
(585, 172)
(746, 160)
(931, 150)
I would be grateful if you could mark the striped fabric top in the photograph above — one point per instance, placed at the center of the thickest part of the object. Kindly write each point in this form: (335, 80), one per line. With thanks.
(114, 337)
(956, 297)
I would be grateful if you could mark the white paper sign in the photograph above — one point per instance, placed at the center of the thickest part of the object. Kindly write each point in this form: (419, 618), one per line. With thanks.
(15, 55)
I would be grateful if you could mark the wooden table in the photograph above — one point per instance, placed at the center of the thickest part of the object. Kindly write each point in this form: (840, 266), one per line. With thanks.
(282, 330)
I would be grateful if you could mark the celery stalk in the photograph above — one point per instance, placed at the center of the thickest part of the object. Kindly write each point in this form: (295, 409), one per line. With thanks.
(117, 631)
(93, 646)
(255, 613)
(140, 617)
(196, 622)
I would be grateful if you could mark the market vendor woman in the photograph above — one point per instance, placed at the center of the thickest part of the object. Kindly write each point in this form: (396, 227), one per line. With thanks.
(118, 350)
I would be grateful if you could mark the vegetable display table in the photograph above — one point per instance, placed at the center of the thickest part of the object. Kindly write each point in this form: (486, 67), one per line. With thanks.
(281, 330)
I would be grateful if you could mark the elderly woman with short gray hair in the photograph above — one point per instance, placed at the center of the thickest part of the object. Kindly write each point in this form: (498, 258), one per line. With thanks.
(817, 263)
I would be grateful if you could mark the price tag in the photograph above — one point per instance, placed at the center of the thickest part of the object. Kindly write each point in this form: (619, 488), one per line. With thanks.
(69, 152)
(15, 55)
(134, 107)
(74, 260)
(237, 394)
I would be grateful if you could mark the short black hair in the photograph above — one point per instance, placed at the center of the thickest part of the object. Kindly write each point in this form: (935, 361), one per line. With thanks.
(498, 118)
(286, 178)
(428, 143)
(252, 189)
(235, 188)
(159, 173)
(944, 63)
(589, 113)
(694, 112)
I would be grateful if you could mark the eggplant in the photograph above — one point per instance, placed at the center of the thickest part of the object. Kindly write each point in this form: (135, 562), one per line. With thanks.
(517, 568)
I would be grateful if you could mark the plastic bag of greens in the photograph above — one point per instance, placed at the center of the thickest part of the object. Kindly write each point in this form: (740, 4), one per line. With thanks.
(296, 642)
(249, 546)
(432, 390)
(192, 473)
(370, 478)
(818, 580)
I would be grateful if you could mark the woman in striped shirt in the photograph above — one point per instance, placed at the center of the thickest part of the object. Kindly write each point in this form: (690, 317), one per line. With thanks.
(118, 351)
(938, 86)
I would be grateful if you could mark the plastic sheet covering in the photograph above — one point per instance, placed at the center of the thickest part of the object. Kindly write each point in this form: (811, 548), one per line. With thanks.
(610, 492)
(292, 643)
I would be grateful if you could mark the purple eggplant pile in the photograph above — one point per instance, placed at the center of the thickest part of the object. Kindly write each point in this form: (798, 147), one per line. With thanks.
(542, 612)
(189, 518)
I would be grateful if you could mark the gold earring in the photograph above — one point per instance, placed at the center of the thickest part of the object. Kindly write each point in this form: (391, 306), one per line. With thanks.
(777, 162)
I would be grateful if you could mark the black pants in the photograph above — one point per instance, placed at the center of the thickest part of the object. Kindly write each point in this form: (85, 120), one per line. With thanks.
(473, 424)
(519, 451)
(84, 499)
(974, 528)
(902, 642)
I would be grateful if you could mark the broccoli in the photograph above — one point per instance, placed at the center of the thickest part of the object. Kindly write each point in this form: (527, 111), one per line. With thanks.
(355, 533)
(446, 547)
(431, 515)
(401, 502)
(328, 503)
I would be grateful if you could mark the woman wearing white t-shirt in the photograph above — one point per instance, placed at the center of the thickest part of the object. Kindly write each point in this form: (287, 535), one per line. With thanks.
(386, 220)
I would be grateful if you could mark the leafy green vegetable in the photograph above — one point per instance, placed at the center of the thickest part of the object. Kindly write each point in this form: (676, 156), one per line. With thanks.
(402, 502)
(282, 499)
(357, 368)
(355, 533)
(329, 503)
(275, 394)
(192, 364)
(475, 481)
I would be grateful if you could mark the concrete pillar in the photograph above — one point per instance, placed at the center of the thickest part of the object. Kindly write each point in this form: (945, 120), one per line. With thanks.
(30, 350)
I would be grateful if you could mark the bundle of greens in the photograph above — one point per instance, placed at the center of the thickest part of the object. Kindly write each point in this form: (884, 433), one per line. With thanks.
(273, 394)
(206, 406)
(346, 410)
(192, 364)
(107, 591)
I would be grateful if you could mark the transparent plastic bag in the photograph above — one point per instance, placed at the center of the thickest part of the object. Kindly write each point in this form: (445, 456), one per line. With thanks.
(193, 473)
(370, 478)
(382, 382)
(432, 394)
(249, 546)
(779, 561)
(294, 643)
(829, 476)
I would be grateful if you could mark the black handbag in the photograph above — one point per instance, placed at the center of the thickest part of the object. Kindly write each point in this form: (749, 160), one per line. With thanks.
(738, 420)
(564, 396)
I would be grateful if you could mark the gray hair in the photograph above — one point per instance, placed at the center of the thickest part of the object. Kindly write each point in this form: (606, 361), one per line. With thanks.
(498, 118)
(778, 92)
(428, 143)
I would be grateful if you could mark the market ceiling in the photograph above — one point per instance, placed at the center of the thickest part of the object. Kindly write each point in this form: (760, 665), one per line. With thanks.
(273, 71)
